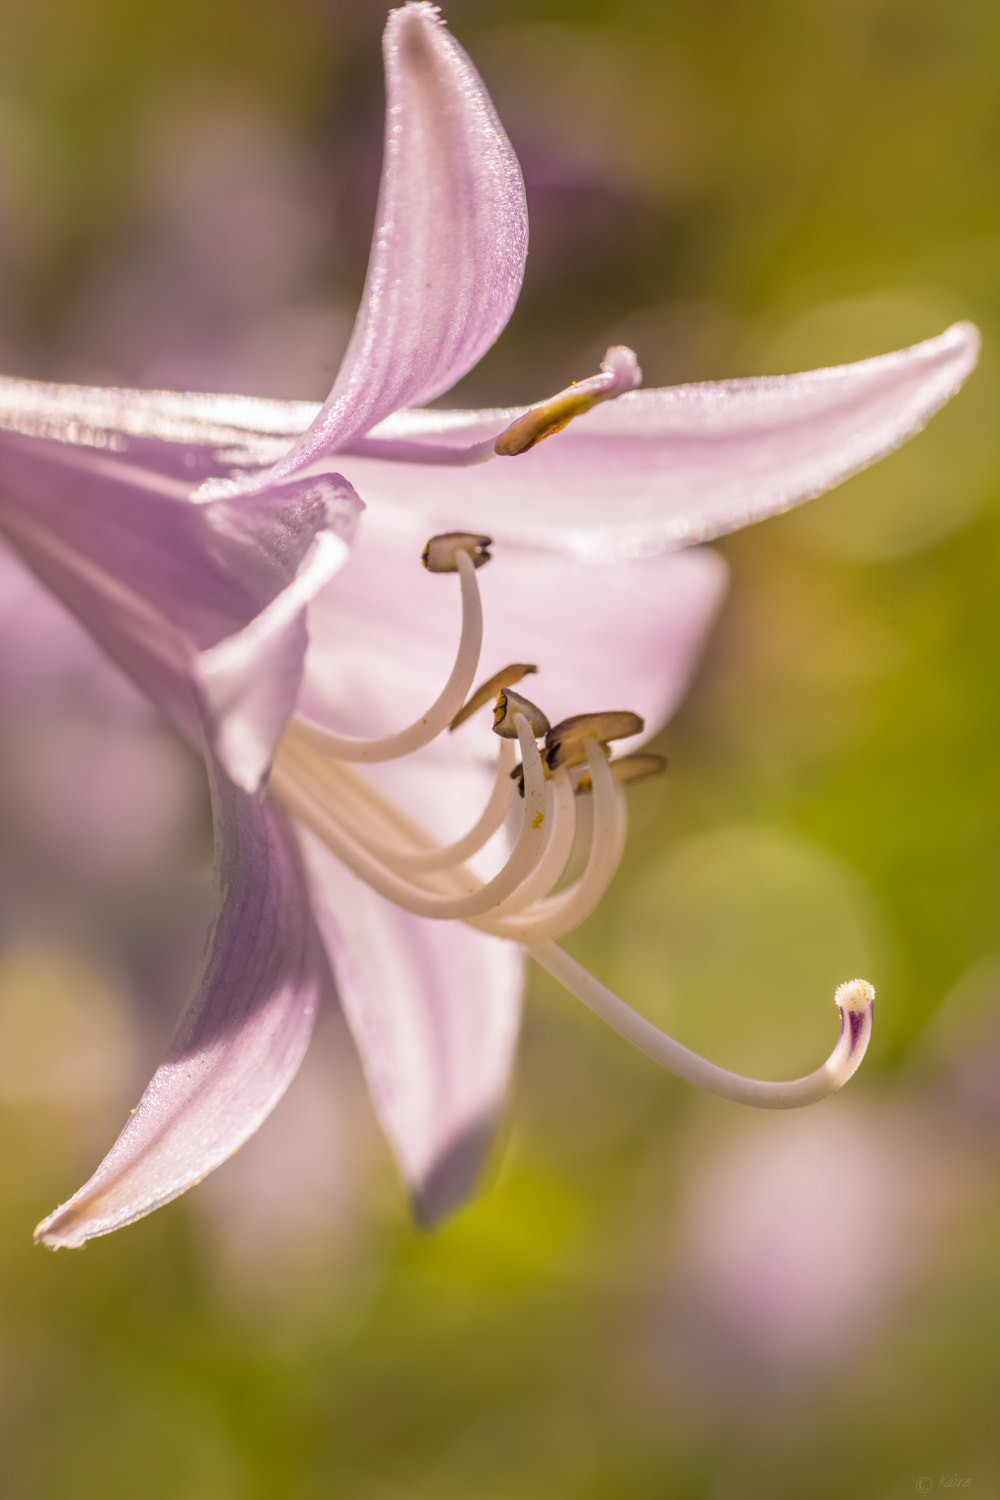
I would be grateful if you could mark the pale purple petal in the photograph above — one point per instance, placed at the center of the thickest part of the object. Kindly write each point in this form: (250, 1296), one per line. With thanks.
(622, 636)
(651, 471)
(190, 435)
(434, 1008)
(627, 635)
(241, 1040)
(201, 605)
(450, 239)
(661, 469)
(446, 267)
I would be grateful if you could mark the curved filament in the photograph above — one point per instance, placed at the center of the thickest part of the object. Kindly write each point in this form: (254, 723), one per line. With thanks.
(441, 712)
(855, 1031)
(556, 915)
(306, 800)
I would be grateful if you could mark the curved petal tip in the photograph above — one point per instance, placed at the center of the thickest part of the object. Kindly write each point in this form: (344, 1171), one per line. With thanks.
(963, 342)
(450, 240)
(240, 1042)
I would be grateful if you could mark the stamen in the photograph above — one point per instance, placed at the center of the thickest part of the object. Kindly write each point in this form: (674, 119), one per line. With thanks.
(442, 710)
(566, 742)
(438, 857)
(304, 796)
(619, 373)
(561, 829)
(506, 677)
(556, 915)
(346, 792)
(854, 999)
(441, 553)
(399, 860)
(508, 706)
(628, 768)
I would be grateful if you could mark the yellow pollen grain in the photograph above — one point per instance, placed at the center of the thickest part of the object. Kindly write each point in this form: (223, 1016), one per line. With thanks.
(538, 820)
(541, 422)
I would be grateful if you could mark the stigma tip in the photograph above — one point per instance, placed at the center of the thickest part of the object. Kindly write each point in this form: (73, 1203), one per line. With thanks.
(854, 995)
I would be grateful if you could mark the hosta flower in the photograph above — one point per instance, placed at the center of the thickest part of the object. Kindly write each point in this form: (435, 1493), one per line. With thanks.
(197, 539)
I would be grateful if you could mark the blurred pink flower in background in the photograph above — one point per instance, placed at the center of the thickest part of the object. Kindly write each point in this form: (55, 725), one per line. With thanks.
(197, 538)
(796, 1242)
(212, 290)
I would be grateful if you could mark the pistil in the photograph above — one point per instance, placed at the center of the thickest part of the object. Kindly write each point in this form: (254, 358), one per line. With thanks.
(855, 1000)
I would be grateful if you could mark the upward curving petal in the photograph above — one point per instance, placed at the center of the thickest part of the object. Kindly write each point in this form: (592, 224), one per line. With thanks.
(201, 605)
(659, 469)
(450, 239)
(241, 1041)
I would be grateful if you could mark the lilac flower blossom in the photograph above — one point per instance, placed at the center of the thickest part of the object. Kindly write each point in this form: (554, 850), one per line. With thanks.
(196, 538)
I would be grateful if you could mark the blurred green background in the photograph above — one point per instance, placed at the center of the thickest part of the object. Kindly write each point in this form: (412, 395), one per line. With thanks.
(658, 1295)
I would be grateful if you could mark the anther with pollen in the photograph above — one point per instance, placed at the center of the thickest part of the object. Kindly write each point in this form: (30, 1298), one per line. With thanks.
(505, 678)
(507, 705)
(566, 748)
(441, 553)
(566, 742)
(619, 374)
(629, 768)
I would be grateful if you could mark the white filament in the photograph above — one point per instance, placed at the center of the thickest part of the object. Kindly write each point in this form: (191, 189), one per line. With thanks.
(556, 915)
(560, 822)
(441, 712)
(357, 806)
(304, 798)
(404, 863)
(680, 1060)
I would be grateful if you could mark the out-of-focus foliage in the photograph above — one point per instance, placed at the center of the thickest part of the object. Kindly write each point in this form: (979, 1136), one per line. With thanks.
(659, 1295)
